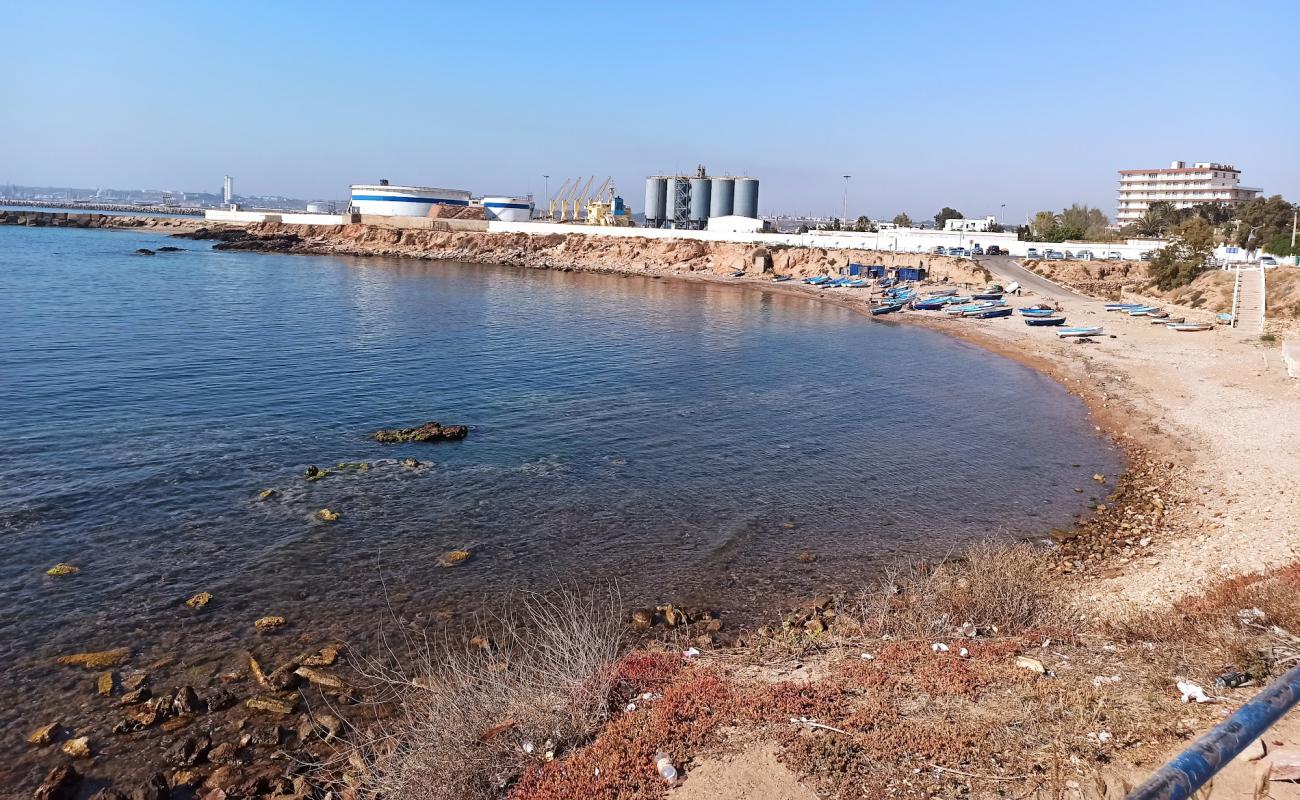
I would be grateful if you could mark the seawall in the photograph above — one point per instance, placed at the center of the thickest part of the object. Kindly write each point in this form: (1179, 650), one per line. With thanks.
(72, 219)
(577, 251)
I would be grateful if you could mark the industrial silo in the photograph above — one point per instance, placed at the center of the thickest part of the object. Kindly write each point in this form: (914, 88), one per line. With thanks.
(746, 204)
(722, 197)
(656, 201)
(700, 201)
(673, 203)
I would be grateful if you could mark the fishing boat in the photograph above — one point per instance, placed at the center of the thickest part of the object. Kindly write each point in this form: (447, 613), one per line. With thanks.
(986, 295)
(1226, 319)
(1064, 332)
(817, 280)
(930, 304)
(991, 313)
(1122, 306)
(1013, 287)
(1141, 311)
(1037, 311)
(780, 278)
(1169, 321)
(958, 310)
(1044, 321)
(943, 293)
(886, 309)
(1186, 327)
(1159, 314)
(856, 283)
(740, 273)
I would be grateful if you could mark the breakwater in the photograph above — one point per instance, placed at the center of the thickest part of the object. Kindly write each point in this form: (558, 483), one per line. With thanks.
(72, 219)
(115, 207)
(579, 252)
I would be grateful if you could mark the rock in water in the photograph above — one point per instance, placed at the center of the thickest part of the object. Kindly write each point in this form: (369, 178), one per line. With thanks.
(430, 432)
(199, 600)
(268, 623)
(144, 251)
(61, 783)
(105, 683)
(77, 748)
(102, 659)
(326, 515)
(43, 735)
(266, 494)
(453, 558)
(60, 569)
(272, 704)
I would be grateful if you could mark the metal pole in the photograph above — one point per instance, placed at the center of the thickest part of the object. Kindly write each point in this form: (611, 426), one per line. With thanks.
(1192, 768)
(1295, 216)
(846, 199)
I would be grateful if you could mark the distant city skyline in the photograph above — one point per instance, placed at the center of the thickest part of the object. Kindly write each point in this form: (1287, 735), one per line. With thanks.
(988, 109)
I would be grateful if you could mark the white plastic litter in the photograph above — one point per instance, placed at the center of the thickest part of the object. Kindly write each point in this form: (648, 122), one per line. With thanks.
(647, 696)
(1099, 681)
(1193, 692)
(631, 707)
(665, 766)
(867, 657)
(691, 653)
(964, 653)
(939, 647)
(528, 748)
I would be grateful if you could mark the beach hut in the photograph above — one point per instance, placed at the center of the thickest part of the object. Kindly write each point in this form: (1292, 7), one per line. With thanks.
(911, 273)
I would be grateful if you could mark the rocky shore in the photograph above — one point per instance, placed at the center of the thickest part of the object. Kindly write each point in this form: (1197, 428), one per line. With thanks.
(1204, 498)
(73, 219)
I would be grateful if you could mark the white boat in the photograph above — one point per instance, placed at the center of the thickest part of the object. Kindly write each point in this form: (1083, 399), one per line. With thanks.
(1193, 326)
(1065, 332)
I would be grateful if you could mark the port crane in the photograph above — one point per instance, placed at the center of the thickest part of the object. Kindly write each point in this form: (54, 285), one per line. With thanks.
(555, 200)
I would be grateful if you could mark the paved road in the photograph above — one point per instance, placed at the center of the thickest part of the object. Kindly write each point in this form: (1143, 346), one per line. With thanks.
(1006, 270)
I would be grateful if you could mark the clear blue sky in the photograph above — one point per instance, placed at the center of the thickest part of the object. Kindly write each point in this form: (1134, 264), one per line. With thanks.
(926, 104)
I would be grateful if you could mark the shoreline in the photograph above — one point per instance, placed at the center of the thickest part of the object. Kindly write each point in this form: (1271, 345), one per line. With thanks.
(1102, 554)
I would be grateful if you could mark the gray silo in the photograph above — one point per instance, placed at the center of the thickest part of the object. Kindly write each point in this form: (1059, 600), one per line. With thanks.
(656, 201)
(700, 190)
(722, 197)
(746, 204)
(676, 202)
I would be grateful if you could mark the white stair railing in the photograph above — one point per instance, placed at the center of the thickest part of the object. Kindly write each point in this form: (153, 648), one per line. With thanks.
(1236, 295)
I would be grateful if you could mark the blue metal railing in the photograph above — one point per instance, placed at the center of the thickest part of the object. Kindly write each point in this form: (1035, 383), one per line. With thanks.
(1190, 769)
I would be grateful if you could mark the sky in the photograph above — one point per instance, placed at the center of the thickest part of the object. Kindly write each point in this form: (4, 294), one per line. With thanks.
(991, 108)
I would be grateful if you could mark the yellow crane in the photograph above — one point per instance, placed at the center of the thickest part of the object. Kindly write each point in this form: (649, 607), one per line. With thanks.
(569, 209)
(555, 200)
(611, 212)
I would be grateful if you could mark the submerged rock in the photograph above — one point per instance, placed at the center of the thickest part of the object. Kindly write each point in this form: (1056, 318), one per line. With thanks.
(61, 569)
(266, 494)
(318, 678)
(315, 473)
(170, 249)
(199, 600)
(106, 683)
(272, 704)
(144, 251)
(326, 515)
(453, 558)
(269, 623)
(324, 658)
(101, 659)
(429, 432)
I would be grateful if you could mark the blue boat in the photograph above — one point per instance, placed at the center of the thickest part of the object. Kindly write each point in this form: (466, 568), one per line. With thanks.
(1122, 306)
(991, 313)
(886, 309)
(780, 278)
(1044, 321)
(930, 304)
(1037, 312)
(886, 282)
(740, 273)
(1141, 311)
(988, 296)
(817, 280)
(1078, 332)
(858, 283)
(966, 308)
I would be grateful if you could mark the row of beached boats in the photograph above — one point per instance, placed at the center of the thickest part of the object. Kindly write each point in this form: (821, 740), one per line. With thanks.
(987, 304)
(1158, 316)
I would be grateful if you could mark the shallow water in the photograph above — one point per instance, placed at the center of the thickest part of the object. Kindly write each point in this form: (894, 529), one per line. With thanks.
(660, 432)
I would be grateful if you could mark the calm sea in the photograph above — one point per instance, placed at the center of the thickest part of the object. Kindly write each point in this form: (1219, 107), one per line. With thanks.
(689, 440)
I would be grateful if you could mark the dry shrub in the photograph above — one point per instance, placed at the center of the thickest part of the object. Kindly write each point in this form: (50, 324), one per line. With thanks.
(472, 715)
(991, 585)
(1249, 623)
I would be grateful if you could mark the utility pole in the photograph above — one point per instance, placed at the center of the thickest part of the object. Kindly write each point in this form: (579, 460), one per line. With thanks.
(1295, 217)
(846, 199)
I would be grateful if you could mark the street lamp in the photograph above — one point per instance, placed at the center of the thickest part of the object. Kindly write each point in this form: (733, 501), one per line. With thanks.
(846, 199)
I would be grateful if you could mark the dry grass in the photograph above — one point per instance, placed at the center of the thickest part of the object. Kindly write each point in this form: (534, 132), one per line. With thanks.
(991, 587)
(471, 716)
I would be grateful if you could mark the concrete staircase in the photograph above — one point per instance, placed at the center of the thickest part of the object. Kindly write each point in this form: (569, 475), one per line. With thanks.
(1248, 302)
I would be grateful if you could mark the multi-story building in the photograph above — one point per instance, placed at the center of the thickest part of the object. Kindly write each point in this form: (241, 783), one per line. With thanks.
(1181, 185)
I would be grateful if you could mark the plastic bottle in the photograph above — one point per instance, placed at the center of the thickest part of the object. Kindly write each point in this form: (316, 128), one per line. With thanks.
(665, 766)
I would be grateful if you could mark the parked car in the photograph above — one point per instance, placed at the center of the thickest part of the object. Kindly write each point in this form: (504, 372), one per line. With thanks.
(1146, 255)
(1114, 255)
(939, 250)
(1084, 255)
(993, 250)
(1053, 255)
(1068, 254)
(1267, 261)
(977, 251)
(1032, 253)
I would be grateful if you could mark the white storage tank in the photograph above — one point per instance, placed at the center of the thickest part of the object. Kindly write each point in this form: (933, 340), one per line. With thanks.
(508, 209)
(384, 199)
